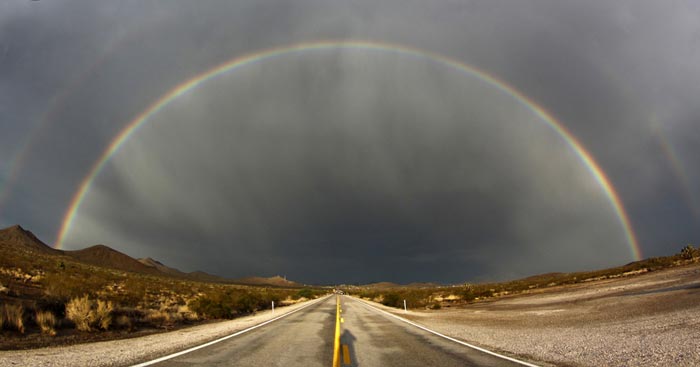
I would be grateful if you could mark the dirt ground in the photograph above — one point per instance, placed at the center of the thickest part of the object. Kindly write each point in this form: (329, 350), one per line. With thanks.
(651, 319)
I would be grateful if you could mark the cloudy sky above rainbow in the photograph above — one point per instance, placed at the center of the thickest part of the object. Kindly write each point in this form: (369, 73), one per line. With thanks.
(357, 141)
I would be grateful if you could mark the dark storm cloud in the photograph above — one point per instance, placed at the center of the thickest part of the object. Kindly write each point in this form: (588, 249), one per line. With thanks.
(354, 160)
(381, 163)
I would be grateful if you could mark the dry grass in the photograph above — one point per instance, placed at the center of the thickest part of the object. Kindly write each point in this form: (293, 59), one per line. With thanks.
(79, 310)
(47, 322)
(103, 314)
(159, 318)
(89, 315)
(13, 317)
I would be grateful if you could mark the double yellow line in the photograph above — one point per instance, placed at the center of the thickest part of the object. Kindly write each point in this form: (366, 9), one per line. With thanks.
(336, 342)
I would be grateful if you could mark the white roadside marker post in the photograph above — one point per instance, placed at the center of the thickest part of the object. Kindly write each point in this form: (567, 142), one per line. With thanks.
(273, 307)
(404, 307)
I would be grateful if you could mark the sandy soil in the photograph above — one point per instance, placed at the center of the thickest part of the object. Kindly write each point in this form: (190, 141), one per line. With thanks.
(127, 352)
(646, 320)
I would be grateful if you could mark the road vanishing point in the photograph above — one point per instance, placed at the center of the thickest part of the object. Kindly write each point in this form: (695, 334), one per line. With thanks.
(338, 331)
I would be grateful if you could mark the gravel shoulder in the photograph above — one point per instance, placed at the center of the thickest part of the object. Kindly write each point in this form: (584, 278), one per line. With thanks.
(127, 352)
(651, 319)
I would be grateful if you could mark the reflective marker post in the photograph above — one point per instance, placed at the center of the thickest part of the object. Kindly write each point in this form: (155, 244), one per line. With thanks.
(404, 307)
(273, 307)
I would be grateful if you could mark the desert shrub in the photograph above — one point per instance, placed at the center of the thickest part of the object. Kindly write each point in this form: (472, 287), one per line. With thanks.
(123, 322)
(135, 292)
(127, 317)
(307, 293)
(215, 306)
(156, 318)
(103, 314)
(231, 303)
(186, 314)
(88, 314)
(416, 298)
(13, 316)
(47, 322)
(392, 300)
(688, 252)
(467, 293)
(249, 302)
(55, 305)
(64, 286)
(80, 311)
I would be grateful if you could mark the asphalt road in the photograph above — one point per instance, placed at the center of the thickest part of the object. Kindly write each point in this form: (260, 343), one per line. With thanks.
(370, 338)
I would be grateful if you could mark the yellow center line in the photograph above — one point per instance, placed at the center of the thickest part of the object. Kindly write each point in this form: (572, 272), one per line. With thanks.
(336, 342)
(346, 354)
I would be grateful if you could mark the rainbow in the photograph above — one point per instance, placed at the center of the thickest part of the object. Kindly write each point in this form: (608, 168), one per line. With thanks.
(55, 105)
(238, 62)
(676, 165)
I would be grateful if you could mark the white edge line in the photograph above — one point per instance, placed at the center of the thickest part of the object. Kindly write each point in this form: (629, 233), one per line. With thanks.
(170, 356)
(448, 337)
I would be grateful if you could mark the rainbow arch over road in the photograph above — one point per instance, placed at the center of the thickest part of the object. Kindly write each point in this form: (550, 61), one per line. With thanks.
(240, 61)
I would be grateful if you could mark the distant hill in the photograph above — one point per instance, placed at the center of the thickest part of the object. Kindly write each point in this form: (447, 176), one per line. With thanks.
(155, 264)
(422, 285)
(206, 277)
(382, 285)
(195, 275)
(16, 239)
(108, 257)
(276, 281)
(19, 239)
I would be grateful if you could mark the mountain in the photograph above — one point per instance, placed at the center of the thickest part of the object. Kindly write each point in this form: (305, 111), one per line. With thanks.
(199, 276)
(108, 257)
(19, 239)
(155, 264)
(206, 277)
(16, 239)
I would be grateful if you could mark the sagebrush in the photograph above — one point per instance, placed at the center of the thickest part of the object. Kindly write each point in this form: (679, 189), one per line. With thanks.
(47, 322)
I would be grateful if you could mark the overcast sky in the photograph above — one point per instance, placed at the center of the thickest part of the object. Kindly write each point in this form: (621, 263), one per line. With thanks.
(355, 165)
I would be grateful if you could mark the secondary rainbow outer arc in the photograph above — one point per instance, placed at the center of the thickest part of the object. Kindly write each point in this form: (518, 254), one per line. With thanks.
(237, 62)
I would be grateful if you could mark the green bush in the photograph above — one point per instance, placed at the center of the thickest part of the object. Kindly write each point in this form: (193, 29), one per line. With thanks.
(307, 293)
(213, 306)
(392, 300)
(467, 293)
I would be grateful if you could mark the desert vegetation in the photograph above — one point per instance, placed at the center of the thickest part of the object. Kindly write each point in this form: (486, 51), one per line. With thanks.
(435, 297)
(47, 322)
(75, 297)
(46, 296)
(12, 317)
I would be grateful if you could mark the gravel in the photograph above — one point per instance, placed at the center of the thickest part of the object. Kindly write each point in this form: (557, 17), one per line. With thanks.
(646, 320)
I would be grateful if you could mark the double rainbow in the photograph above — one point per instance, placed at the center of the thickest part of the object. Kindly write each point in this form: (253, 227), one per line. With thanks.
(238, 62)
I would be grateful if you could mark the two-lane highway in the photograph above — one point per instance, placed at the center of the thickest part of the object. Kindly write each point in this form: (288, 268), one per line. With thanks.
(306, 338)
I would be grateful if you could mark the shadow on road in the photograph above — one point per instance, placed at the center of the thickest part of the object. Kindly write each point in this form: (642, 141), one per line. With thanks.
(346, 338)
